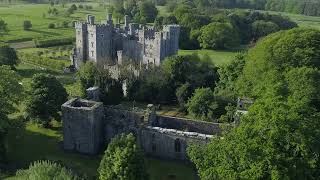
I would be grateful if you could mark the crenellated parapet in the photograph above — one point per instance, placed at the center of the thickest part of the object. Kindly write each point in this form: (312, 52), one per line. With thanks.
(102, 42)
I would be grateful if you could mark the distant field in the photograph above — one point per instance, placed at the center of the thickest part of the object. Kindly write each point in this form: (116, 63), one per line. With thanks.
(218, 57)
(305, 21)
(301, 20)
(14, 15)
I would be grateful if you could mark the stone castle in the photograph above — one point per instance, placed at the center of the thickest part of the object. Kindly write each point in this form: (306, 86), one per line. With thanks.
(108, 45)
(88, 126)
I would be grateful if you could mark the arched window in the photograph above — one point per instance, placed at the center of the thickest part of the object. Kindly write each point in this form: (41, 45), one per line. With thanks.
(177, 145)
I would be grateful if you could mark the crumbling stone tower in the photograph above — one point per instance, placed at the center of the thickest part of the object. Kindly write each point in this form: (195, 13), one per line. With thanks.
(83, 126)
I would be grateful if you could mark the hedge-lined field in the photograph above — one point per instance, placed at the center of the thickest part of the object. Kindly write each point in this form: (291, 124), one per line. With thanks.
(14, 15)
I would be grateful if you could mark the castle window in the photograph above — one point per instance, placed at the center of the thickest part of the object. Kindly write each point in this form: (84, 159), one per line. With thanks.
(154, 148)
(92, 53)
(177, 145)
(91, 44)
(102, 35)
(91, 34)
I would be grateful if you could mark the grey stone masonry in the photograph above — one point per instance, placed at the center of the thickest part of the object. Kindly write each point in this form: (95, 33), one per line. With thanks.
(108, 45)
(88, 126)
(82, 125)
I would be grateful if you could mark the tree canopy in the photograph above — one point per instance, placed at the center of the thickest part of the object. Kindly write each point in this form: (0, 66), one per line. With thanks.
(10, 91)
(42, 170)
(123, 160)
(8, 56)
(45, 97)
(278, 53)
(277, 139)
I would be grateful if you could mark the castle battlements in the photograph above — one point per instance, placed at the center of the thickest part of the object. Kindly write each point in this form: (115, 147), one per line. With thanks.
(101, 42)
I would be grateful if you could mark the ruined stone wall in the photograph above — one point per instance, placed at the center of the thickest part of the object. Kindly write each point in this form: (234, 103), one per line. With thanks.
(186, 125)
(119, 121)
(88, 126)
(169, 143)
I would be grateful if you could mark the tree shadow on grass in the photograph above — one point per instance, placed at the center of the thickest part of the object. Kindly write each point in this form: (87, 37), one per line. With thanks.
(26, 146)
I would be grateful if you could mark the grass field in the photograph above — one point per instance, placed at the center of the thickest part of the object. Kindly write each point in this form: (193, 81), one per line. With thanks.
(14, 15)
(218, 57)
(29, 142)
(305, 21)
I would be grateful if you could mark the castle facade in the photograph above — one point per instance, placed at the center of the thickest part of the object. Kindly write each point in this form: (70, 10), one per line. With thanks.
(108, 45)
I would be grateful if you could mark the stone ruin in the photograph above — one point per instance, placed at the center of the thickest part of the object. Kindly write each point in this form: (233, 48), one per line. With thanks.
(88, 126)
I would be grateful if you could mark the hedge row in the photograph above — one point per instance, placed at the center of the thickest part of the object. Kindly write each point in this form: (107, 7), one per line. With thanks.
(53, 42)
(44, 62)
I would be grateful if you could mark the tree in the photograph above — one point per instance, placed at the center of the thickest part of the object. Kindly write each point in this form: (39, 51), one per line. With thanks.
(183, 93)
(27, 25)
(87, 76)
(117, 9)
(272, 127)
(51, 26)
(10, 91)
(218, 36)
(147, 11)
(111, 89)
(282, 73)
(8, 56)
(228, 76)
(40, 170)
(3, 26)
(262, 28)
(278, 52)
(123, 160)
(45, 97)
(202, 104)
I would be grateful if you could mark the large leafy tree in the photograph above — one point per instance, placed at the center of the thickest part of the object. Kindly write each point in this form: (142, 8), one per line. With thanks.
(41, 170)
(10, 91)
(8, 56)
(147, 12)
(278, 138)
(202, 104)
(45, 98)
(218, 36)
(278, 52)
(123, 160)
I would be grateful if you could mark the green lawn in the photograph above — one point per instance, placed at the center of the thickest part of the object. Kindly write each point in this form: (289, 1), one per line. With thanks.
(14, 15)
(218, 57)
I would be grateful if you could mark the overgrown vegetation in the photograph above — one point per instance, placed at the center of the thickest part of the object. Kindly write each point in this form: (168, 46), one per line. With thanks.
(277, 138)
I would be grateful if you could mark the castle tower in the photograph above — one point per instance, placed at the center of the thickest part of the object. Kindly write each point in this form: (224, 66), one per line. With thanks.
(172, 36)
(83, 126)
(126, 23)
(109, 19)
(81, 51)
